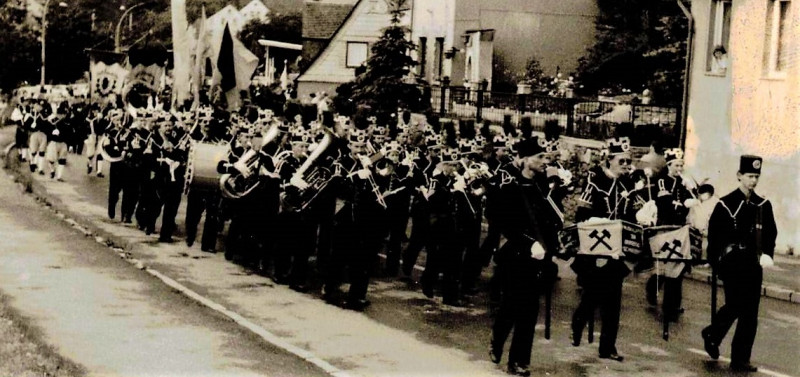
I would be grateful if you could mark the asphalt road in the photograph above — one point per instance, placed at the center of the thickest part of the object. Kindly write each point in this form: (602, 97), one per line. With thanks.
(403, 333)
(102, 313)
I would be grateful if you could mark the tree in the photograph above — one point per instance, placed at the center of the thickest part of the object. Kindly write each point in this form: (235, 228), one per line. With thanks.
(281, 27)
(381, 86)
(638, 43)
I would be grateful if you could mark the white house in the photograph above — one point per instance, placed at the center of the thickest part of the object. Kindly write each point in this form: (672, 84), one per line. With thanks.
(747, 100)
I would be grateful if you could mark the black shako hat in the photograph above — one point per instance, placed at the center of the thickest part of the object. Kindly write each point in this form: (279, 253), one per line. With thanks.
(750, 164)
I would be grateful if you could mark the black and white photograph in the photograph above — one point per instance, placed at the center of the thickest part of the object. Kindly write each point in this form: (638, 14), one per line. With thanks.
(409, 188)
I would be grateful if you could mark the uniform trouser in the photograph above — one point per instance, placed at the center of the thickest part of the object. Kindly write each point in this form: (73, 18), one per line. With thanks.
(742, 296)
(150, 202)
(398, 223)
(297, 239)
(519, 310)
(171, 195)
(197, 202)
(323, 216)
(673, 292)
(116, 181)
(355, 248)
(420, 237)
(445, 256)
(130, 191)
(37, 143)
(474, 257)
(603, 290)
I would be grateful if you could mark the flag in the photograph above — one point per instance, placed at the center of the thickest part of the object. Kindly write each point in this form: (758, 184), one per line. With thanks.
(235, 65)
(198, 73)
(106, 79)
(181, 51)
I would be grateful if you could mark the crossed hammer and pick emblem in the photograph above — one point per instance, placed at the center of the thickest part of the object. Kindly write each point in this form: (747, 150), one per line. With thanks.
(600, 237)
(672, 248)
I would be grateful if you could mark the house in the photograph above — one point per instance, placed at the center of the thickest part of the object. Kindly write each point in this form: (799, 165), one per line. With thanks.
(452, 34)
(460, 39)
(349, 45)
(745, 99)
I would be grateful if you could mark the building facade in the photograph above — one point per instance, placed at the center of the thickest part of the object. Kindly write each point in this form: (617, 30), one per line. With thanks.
(744, 99)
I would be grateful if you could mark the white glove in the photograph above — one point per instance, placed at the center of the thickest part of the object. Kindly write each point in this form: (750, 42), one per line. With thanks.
(537, 251)
(648, 172)
(364, 161)
(436, 171)
(56, 132)
(460, 184)
(766, 261)
(566, 176)
(363, 173)
(648, 215)
(639, 185)
(691, 202)
(299, 183)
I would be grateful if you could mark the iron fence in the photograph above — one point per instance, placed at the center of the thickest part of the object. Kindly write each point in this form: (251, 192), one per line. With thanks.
(589, 119)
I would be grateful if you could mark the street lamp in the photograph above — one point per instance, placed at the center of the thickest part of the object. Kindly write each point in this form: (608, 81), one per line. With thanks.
(118, 31)
(44, 34)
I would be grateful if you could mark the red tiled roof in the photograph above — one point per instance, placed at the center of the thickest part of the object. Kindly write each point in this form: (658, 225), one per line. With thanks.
(321, 19)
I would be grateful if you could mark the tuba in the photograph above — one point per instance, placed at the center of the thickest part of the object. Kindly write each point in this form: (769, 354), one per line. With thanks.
(296, 197)
(246, 179)
(109, 147)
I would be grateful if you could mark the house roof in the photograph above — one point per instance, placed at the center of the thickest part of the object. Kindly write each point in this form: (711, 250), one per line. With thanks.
(322, 18)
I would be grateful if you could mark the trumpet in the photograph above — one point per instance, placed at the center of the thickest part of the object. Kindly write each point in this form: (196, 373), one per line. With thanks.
(366, 163)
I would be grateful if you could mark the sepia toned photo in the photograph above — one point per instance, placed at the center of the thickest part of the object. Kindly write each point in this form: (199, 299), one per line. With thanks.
(409, 188)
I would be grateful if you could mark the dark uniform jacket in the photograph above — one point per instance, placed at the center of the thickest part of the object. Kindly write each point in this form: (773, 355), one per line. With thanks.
(739, 232)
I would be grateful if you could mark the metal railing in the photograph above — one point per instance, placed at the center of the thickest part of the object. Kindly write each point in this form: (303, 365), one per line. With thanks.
(582, 118)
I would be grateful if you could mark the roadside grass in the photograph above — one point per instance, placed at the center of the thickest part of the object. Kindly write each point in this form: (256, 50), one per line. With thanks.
(24, 353)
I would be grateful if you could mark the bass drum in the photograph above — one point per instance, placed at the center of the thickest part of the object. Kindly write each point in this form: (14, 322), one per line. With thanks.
(201, 169)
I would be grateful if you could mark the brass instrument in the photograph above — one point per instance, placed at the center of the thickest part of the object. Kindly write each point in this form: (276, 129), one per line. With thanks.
(107, 142)
(366, 163)
(237, 186)
(308, 181)
(476, 175)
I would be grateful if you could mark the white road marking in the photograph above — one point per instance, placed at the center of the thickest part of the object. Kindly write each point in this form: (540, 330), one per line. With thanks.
(727, 360)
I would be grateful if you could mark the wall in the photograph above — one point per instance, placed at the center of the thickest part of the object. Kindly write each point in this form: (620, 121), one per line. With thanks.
(433, 19)
(747, 112)
(527, 28)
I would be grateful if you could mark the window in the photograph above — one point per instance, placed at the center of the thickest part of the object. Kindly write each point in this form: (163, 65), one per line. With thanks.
(423, 56)
(356, 54)
(777, 44)
(719, 37)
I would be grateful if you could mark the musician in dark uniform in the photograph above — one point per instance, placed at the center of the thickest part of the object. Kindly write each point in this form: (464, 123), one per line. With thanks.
(150, 200)
(530, 225)
(606, 195)
(358, 225)
(741, 240)
(673, 197)
(171, 177)
(400, 174)
(200, 199)
(114, 147)
(444, 250)
(134, 151)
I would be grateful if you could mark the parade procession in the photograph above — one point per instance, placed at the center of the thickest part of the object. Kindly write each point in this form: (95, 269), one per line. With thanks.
(351, 187)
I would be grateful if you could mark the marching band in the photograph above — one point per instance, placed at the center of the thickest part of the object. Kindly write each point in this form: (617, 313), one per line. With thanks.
(300, 184)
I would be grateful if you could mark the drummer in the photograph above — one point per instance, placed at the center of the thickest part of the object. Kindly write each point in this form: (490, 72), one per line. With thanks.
(673, 196)
(606, 195)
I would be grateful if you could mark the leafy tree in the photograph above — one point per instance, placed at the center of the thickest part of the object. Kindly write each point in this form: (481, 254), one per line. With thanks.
(638, 44)
(281, 27)
(382, 84)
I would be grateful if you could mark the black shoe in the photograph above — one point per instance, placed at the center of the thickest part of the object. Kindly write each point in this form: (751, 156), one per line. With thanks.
(53, 175)
(302, 288)
(495, 354)
(612, 356)
(166, 239)
(743, 367)
(712, 348)
(454, 302)
(88, 169)
(207, 250)
(127, 221)
(33, 168)
(189, 241)
(41, 172)
(357, 305)
(112, 213)
(280, 280)
(100, 175)
(518, 370)
(332, 297)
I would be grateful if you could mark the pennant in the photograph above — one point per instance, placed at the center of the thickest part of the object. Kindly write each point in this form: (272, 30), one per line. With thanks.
(181, 52)
(235, 65)
(200, 53)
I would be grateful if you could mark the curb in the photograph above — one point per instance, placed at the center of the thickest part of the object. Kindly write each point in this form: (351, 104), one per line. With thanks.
(123, 248)
(767, 290)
